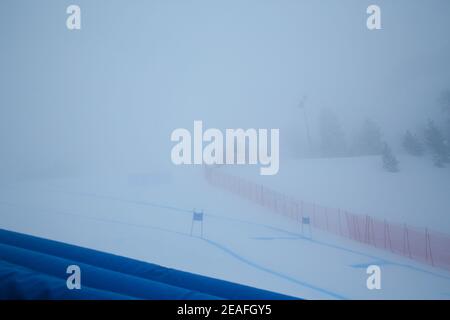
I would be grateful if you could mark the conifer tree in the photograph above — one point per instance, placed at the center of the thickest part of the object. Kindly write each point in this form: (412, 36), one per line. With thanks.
(390, 162)
(412, 145)
(437, 144)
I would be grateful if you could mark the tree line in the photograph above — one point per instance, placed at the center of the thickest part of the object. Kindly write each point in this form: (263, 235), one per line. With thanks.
(431, 139)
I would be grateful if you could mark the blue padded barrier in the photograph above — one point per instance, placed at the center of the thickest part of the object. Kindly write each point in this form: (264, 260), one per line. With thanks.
(20, 283)
(116, 274)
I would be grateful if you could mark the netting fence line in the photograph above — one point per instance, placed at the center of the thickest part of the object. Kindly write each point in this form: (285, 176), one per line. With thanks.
(420, 244)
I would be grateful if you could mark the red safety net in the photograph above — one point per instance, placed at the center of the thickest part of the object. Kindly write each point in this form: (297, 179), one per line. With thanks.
(420, 244)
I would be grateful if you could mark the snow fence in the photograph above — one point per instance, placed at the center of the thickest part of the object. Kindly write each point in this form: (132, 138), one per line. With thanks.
(420, 244)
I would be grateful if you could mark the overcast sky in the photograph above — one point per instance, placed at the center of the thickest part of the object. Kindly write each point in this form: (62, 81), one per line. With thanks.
(111, 93)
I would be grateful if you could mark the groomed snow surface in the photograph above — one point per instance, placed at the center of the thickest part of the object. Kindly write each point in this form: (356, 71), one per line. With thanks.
(148, 217)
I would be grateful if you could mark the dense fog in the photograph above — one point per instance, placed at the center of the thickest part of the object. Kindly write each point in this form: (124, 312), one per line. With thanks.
(109, 96)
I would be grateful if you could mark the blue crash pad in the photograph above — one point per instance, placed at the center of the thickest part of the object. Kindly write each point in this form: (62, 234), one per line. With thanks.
(35, 268)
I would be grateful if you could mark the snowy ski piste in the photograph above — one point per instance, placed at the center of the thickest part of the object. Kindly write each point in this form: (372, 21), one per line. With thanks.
(297, 147)
(149, 217)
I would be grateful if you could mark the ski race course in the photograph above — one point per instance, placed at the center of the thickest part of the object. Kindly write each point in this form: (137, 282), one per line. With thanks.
(149, 218)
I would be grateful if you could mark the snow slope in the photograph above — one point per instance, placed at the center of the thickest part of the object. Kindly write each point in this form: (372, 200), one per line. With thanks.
(149, 219)
(417, 195)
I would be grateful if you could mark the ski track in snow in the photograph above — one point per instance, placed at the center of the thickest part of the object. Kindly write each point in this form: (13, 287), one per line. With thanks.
(215, 244)
(220, 246)
(292, 234)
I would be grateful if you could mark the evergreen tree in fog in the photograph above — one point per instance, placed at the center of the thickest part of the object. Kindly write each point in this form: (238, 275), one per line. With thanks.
(390, 162)
(331, 134)
(437, 144)
(412, 144)
(369, 139)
